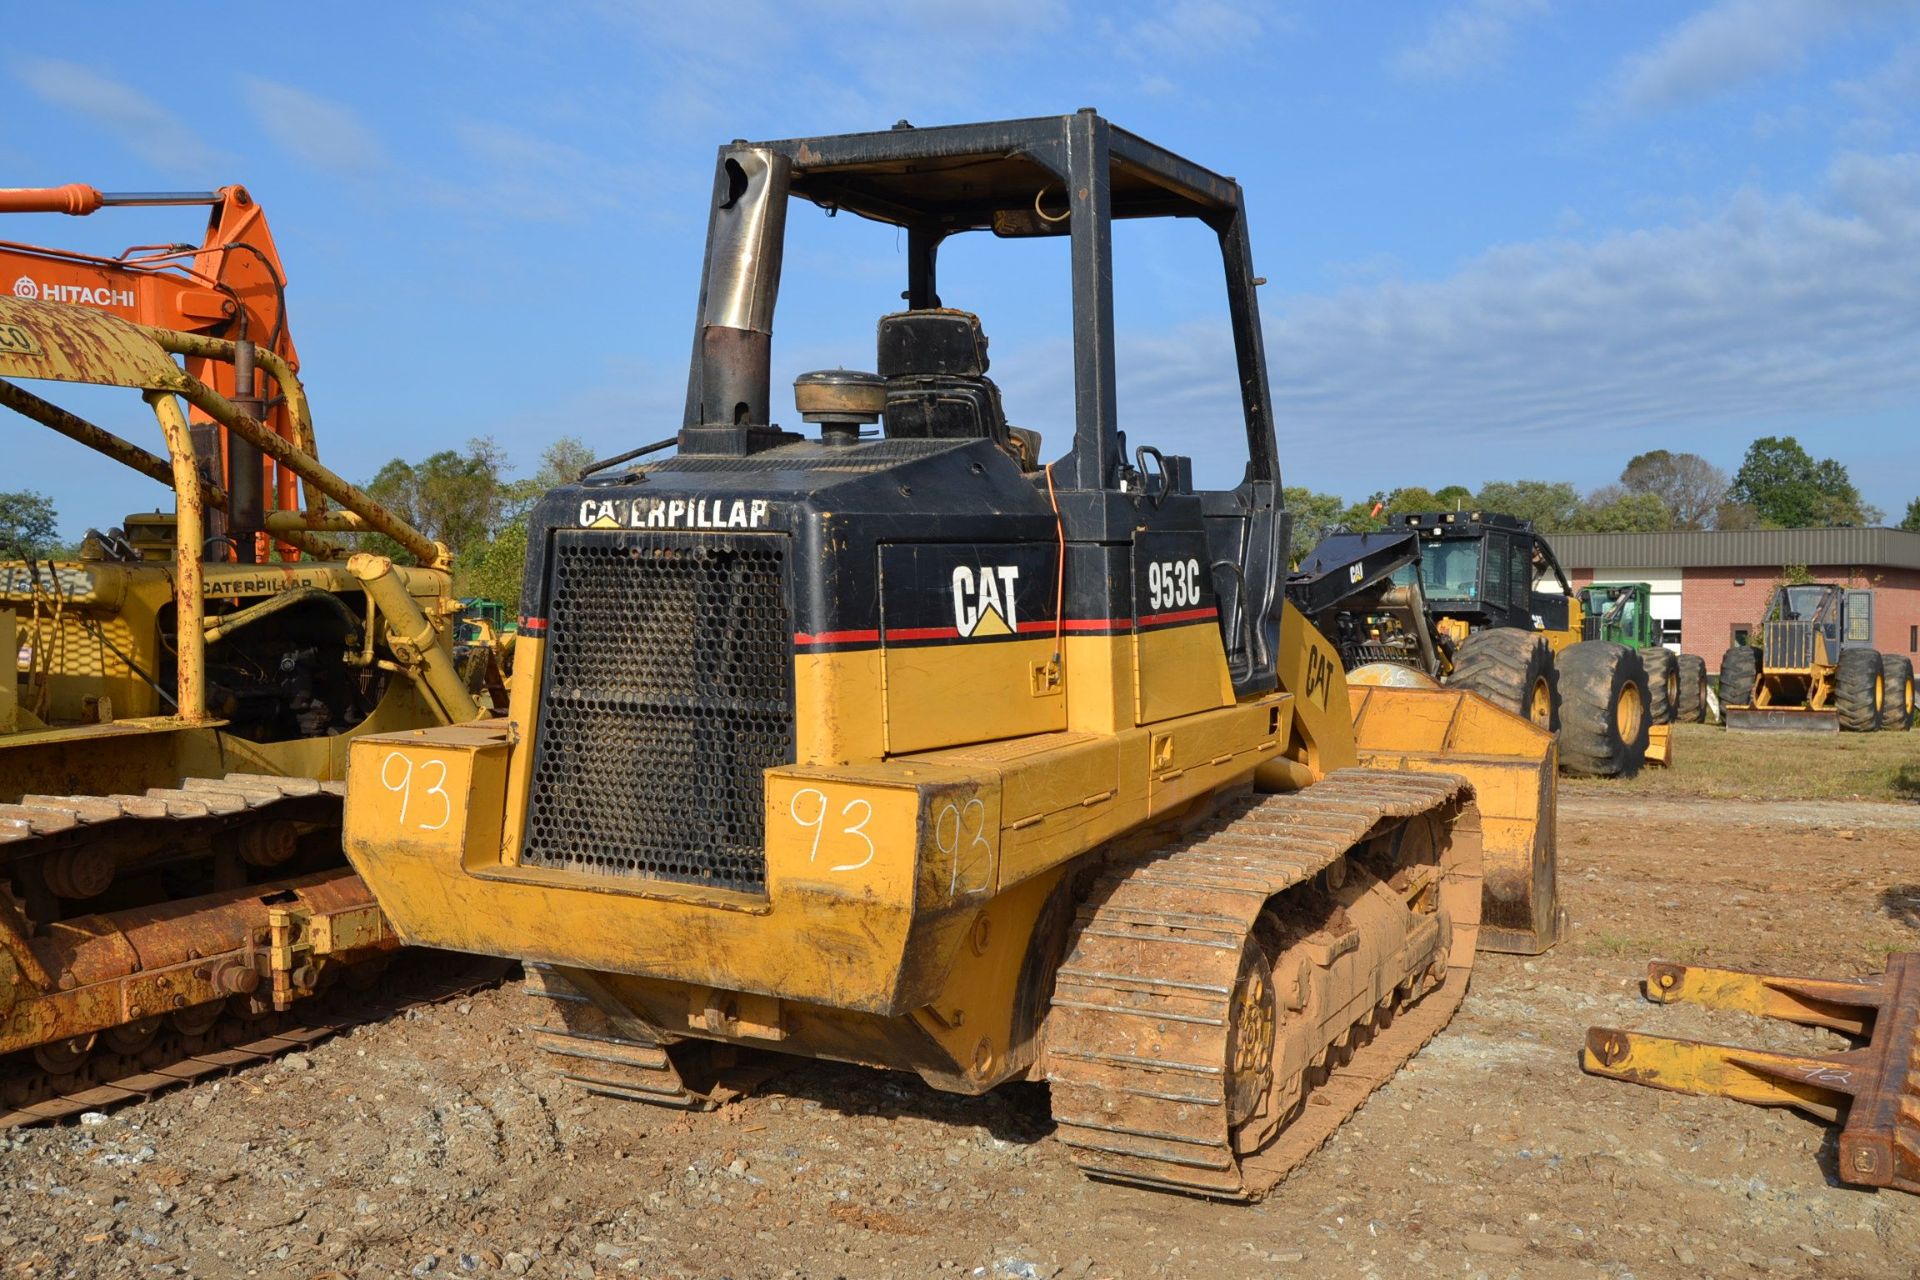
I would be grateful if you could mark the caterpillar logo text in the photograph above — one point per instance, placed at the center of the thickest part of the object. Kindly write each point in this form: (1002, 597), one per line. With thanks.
(673, 513)
(984, 601)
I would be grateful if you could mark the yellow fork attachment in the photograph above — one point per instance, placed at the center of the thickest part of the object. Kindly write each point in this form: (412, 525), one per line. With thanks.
(1874, 1088)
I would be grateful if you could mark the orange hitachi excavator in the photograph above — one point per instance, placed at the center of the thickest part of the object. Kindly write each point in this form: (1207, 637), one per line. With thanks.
(230, 286)
(173, 737)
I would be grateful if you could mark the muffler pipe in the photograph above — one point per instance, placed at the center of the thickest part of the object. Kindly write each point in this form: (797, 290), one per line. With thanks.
(744, 239)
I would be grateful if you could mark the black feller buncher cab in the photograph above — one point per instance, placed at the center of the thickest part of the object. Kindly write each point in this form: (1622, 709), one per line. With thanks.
(947, 520)
(1482, 568)
(1504, 637)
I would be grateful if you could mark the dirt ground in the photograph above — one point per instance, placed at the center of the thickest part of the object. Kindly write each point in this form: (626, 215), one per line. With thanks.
(436, 1145)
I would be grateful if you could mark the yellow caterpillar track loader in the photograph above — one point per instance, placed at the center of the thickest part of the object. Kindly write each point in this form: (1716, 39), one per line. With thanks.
(174, 742)
(905, 748)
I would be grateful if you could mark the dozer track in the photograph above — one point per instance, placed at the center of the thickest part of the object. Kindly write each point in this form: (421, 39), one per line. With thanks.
(158, 990)
(1228, 1001)
(621, 1058)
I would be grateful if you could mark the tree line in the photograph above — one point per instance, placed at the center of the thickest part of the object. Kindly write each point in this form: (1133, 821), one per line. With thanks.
(1779, 485)
(466, 499)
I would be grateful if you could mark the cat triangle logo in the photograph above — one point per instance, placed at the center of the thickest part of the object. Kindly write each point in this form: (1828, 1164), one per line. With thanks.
(605, 522)
(990, 624)
(984, 602)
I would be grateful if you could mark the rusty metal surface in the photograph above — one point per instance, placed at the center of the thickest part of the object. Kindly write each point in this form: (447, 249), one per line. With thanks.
(54, 342)
(1871, 1090)
(232, 1039)
(190, 604)
(1227, 1002)
(74, 427)
(82, 975)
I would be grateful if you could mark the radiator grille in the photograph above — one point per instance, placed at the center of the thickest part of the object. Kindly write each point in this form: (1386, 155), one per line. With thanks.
(1788, 644)
(667, 691)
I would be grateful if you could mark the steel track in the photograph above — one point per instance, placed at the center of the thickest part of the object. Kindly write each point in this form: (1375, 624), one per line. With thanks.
(1140, 1041)
(31, 1096)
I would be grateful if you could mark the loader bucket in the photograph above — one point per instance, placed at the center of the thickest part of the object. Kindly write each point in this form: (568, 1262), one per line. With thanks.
(1512, 765)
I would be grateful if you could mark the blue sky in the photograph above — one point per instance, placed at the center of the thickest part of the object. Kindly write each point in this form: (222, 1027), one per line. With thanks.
(1503, 238)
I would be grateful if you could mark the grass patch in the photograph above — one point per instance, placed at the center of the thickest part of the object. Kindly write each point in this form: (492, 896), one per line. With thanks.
(1712, 762)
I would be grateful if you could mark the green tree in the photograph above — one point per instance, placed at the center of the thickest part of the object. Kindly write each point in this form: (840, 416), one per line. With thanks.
(493, 569)
(561, 463)
(1912, 520)
(1691, 487)
(1614, 510)
(1550, 505)
(1410, 500)
(1789, 489)
(496, 573)
(1315, 515)
(452, 497)
(27, 526)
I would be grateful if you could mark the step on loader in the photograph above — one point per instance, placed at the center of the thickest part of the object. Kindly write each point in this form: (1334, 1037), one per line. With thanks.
(173, 746)
(909, 747)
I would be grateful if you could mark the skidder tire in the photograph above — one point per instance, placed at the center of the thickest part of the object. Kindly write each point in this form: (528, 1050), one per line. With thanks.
(1663, 684)
(1512, 669)
(1739, 672)
(1603, 710)
(1858, 685)
(1896, 703)
(1692, 679)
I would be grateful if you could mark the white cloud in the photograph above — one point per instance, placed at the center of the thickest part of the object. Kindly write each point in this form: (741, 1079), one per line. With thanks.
(322, 133)
(508, 172)
(1888, 94)
(1735, 41)
(1465, 39)
(143, 126)
(1772, 308)
(1189, 30)
(1772, 305)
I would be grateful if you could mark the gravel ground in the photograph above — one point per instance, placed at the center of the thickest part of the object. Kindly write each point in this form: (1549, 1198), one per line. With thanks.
(436, 1144)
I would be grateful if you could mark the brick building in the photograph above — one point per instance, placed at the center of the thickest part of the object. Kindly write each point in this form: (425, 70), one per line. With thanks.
(1709, 587)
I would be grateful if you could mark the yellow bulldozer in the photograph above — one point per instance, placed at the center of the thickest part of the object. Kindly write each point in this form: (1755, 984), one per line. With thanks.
(906, 748)
(174, 743)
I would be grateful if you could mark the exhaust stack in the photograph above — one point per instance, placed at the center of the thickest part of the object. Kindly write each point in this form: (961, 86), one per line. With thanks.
(733, 354)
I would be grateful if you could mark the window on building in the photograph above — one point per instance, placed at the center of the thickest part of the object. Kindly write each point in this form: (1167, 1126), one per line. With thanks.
(1669, 630)
(1913, 639)
(1740, 635)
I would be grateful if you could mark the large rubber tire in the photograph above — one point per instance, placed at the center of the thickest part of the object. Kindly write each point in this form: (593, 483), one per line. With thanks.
(1663, 683)
(1896, 703)
(1603, 710)
(1511, 668)
(1692, 707)
(1739, 672)
(1857, 690)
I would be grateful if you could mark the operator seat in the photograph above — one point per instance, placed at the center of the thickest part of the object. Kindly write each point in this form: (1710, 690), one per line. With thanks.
(935, 365)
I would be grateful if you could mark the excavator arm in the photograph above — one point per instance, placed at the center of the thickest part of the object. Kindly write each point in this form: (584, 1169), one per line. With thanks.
(230, 286)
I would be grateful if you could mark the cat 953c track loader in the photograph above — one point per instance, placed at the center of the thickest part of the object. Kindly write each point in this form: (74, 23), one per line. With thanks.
(905, 748)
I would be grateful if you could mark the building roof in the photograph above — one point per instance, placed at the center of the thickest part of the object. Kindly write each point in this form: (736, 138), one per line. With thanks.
(1738, 548)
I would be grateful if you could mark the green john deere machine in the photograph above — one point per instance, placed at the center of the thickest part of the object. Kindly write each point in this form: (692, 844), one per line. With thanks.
(1622, 612)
